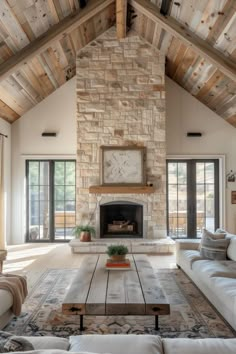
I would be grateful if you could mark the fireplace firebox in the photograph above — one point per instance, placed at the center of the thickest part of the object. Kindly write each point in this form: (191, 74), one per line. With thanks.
(121, 219)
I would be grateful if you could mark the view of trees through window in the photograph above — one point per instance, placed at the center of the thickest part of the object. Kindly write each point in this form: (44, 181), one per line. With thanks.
(192, 197)
(50, 199)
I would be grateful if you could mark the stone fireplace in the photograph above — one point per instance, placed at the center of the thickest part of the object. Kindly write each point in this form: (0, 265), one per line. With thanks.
(121, 102)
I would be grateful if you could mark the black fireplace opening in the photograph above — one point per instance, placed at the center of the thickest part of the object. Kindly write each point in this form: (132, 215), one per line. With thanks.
(121, 220)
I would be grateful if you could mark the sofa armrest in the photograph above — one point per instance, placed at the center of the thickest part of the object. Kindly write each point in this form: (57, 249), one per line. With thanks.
(187, 244)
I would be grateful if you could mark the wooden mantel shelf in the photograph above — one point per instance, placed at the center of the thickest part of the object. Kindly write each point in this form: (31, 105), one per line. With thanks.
(121, 189)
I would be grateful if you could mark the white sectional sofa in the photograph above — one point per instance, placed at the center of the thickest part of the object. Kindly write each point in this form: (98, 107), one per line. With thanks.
(130, 344)
(216, 279)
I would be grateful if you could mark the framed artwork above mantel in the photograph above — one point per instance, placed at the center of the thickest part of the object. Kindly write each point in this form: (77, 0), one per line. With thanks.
(123, 165)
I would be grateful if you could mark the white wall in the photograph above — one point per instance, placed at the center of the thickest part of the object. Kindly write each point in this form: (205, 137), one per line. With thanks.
(186, 114)
(5, 128)
(57, 113)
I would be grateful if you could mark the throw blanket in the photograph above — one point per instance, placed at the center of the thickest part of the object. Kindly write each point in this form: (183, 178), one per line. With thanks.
(17, 286)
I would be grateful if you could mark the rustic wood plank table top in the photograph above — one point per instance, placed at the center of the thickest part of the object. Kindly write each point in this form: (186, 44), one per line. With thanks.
(98, 291)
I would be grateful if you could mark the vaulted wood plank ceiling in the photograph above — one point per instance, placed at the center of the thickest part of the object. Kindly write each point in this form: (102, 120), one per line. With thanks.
(39, 40)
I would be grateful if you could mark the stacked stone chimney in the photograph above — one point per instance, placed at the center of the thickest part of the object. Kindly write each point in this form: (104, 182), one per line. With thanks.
(120, 102)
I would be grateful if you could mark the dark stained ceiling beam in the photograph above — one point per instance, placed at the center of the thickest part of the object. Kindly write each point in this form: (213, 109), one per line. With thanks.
(82, 3)
(55, 33)
(165, 7)
(213, 56)
(121, 16)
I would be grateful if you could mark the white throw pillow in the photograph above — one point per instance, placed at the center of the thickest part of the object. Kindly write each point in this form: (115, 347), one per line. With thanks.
(218, 235)
(231, 250)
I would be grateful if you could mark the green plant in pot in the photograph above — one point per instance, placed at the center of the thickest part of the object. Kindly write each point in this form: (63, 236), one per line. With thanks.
(117, 252)
(84, 232)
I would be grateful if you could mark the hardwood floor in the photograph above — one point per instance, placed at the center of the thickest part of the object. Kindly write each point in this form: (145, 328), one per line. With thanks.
(32, 259)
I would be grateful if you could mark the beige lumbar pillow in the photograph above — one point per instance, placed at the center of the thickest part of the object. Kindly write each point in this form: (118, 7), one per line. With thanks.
(213, 245)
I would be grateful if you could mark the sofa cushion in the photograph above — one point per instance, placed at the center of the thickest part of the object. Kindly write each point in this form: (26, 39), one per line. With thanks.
(225, 289)
(207, 268)
(213, 246)
(231, 265)
(189, 256)
(116, 343)
(197, 346)
(47, 342)
(6, 301)
(231, 250)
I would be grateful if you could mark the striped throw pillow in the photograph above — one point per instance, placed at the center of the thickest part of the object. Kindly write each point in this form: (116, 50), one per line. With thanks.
(213, 246)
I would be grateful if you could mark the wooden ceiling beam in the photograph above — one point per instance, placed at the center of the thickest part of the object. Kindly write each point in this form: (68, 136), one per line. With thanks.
(213, 56)
(65, 26)
(121, 16)
(7, 113)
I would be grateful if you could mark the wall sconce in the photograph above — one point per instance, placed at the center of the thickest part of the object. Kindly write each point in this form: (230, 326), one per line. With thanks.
(194, 134)
(231, 176)
(49, 134)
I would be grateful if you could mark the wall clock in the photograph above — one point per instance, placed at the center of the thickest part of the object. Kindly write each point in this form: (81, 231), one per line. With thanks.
(122, 165)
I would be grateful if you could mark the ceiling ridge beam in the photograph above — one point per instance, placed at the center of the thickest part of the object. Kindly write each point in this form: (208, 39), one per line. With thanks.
(40, 44)
(178, 30)
(121, 16)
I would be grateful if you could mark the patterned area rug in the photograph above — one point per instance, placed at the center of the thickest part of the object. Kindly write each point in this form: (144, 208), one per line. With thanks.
(191, 315)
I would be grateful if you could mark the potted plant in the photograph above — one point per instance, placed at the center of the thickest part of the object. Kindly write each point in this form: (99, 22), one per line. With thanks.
(117, 252)
(84, 232)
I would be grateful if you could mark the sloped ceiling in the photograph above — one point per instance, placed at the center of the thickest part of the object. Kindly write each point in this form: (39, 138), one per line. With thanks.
(39, 40)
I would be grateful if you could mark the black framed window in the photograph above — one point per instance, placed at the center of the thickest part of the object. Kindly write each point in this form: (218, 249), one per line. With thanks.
(192, 197)
(51, 199)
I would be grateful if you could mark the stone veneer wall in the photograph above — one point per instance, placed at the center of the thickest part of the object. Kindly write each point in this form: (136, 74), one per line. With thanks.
(121, 101)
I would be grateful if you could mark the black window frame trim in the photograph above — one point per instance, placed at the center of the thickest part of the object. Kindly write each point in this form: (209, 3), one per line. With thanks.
(192, 191)
(51, 161)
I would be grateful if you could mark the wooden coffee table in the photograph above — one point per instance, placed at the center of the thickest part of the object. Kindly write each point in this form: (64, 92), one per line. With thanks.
(98, 291)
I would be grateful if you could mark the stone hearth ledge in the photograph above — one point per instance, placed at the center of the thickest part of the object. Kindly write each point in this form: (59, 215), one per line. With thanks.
(164, 245)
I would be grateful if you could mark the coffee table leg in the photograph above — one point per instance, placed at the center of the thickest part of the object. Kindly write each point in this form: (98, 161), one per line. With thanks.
(156, 323)
(81, 323)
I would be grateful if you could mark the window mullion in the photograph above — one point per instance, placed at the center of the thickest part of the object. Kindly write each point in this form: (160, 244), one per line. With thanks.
(194, 198)
(189, 199)
(64, 224)
(204, 194)
(28, 201)
(39, 204)
(216, 194)
(51, 200)
(177, 190)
